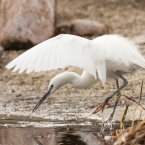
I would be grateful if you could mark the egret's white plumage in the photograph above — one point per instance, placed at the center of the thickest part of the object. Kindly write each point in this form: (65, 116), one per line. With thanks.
(100, 58)
(119, 54)
(111, 52)
(59, 52)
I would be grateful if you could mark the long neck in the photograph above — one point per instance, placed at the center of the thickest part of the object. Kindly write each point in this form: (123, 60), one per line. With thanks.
(84, 81)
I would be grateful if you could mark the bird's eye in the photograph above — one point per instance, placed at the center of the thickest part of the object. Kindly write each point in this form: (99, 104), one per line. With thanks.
(51, 86)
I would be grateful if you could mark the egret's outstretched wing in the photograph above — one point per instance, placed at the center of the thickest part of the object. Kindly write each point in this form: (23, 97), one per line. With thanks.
(59, 52)
(119, 50)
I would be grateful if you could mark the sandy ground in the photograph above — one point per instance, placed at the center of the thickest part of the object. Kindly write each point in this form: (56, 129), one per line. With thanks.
(20, 92)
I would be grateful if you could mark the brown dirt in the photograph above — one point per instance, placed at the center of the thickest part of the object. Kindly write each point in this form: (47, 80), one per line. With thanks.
(20, 92)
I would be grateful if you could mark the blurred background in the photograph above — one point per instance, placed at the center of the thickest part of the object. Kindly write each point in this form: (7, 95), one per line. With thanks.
(27, 23)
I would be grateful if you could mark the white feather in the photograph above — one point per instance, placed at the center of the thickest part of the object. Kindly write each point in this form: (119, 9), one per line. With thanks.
(106, 53)
(119, 50)
(57, 52)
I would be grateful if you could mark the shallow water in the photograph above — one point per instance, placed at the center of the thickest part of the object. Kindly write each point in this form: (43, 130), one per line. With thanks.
(19, 130)
(49, 136)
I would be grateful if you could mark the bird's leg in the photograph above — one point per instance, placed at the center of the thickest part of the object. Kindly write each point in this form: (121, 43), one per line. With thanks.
(117, 85)
(118, 94)
(116, 102)
(125, 82)
(114, 108)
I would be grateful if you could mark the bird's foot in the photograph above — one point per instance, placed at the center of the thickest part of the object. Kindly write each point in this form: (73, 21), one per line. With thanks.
(101, 107)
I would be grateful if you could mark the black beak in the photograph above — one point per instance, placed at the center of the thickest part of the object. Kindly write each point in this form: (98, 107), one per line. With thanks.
(42, 99)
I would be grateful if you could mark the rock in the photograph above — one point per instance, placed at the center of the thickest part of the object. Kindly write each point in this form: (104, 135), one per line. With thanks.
(29, 22)
(83, 27)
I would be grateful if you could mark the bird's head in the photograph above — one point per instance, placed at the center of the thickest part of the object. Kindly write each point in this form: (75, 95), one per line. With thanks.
(54, 85)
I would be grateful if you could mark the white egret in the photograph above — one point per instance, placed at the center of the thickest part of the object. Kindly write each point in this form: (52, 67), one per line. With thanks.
(107, 56)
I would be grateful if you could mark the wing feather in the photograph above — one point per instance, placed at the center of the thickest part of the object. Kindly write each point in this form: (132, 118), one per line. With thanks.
(59, 52)
(118, 49)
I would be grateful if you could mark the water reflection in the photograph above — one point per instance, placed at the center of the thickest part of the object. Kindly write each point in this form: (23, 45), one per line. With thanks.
(46, 136)
(72, 139)
(24, 136)
(67, 135)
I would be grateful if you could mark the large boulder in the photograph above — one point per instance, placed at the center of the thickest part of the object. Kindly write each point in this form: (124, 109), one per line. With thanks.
(83, 27)
(26, 22)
